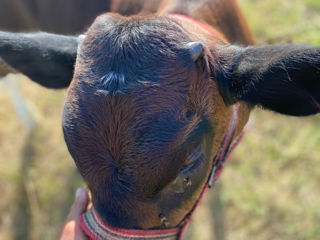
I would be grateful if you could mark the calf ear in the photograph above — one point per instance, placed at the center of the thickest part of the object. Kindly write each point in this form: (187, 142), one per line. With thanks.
(47, 59)
(282, 78)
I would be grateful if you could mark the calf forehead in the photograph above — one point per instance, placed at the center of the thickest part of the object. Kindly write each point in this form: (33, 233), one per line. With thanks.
(133, 50)
(124, 74)
(118, 35)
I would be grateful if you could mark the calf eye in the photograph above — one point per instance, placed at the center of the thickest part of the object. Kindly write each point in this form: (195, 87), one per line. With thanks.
(189, 114)
(193, 161)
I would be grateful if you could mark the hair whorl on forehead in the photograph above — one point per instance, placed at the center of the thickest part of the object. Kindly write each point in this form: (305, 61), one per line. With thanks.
(113, 82)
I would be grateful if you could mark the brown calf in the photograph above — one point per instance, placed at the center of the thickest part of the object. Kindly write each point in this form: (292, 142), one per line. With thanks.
(152, 97)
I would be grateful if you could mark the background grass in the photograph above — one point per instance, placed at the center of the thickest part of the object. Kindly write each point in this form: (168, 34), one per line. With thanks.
(269, 190)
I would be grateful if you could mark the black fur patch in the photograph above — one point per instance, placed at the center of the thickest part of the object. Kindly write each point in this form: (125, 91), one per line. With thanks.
(127, 53)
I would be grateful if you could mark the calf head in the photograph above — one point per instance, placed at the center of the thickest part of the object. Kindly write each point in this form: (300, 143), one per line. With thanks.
(150, 102)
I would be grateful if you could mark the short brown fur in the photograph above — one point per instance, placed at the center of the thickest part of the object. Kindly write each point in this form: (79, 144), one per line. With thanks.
(140, 199)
